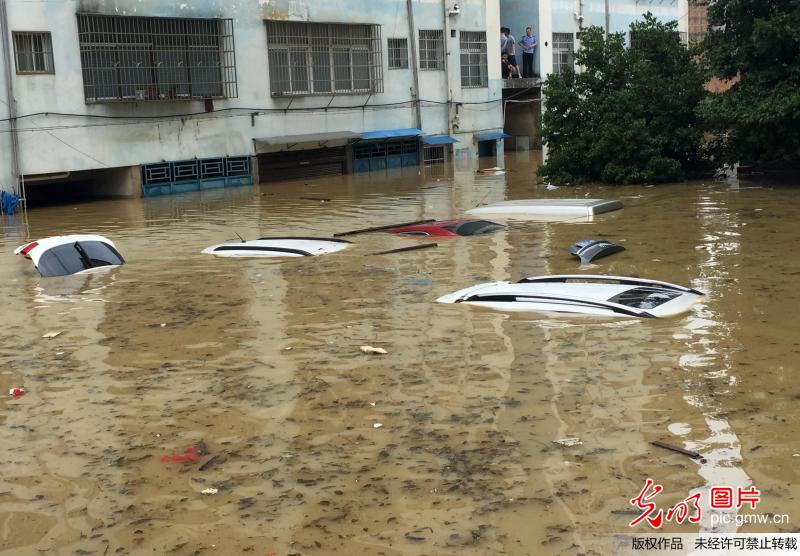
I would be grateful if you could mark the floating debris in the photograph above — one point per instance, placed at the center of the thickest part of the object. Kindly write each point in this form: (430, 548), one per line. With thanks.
(209, 491)
(381, 228)
(212, 460)
(16, 392)
(51, 335)
(377, 425)
(191, 454)
(373, 350)
(418, 282)
(404, 249)
(678, 449)
(568, 441)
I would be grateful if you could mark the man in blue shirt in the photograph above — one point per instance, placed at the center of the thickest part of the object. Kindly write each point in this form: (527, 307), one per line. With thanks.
(528, 44)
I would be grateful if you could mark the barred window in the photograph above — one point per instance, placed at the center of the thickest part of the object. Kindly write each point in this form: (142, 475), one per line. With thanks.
(398, 53)
(563, 51)
(324, 58)
(126, 58)
(433, 154)
(473, 59)
(33, 52)
(431, 49)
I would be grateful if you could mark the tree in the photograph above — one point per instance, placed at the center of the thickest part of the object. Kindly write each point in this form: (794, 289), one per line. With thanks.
(755, 44)
(629, 114)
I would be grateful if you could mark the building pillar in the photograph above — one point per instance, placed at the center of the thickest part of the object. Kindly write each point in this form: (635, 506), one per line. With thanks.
(118, 182)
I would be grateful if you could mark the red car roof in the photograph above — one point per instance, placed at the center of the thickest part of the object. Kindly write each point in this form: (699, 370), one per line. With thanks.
(440, 228)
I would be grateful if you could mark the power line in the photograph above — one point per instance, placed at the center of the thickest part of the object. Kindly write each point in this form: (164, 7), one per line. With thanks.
(250, 110)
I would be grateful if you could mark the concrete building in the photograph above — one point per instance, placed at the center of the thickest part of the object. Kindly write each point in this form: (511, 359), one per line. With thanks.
(557, 25)
(132, 96)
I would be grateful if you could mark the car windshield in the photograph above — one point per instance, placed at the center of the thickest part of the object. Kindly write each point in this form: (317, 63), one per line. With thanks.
(644, 298)
(71, 258)
(475, 228)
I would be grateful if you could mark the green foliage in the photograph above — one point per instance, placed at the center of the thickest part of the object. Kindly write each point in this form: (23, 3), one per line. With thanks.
(629, 114)
(755, 43)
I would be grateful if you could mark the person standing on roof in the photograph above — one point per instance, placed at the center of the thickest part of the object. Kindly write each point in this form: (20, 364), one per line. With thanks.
(511, 47)
(507, 48)
(528, 45)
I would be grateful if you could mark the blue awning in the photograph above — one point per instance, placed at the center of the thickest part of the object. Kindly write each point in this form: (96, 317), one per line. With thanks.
(491, 135)
(439, 140)
(392, 133)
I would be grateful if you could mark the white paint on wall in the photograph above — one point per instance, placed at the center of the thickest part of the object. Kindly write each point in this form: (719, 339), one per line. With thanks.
(298, 10)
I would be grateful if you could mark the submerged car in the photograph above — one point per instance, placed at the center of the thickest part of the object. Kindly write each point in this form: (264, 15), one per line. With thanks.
(279, 247)
(546, 209)
(616, 296)
(588, 250)
(449, 228)
(71, 254)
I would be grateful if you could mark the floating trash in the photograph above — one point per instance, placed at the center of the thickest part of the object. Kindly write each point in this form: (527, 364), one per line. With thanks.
(373, 350)
(191, 454)
(568, 441)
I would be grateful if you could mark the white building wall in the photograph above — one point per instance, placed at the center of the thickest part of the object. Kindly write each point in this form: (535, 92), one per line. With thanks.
(57, 143)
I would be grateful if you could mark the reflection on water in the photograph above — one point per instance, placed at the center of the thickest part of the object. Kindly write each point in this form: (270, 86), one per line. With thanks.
(446, 444)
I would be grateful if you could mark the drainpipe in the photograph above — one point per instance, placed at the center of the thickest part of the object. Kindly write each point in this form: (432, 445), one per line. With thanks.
(414, 65)
(12, 104)
(447, 66)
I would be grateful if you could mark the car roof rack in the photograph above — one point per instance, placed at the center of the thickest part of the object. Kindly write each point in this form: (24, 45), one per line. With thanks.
(624, 280)
(615, 307)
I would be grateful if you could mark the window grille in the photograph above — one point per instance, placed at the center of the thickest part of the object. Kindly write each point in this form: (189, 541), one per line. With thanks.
(324, 58)
(212, 167)
(33, 52)
(431, 49)
(185, 170)
(563, 49)
(126, 58)
(166, 172)
(433, 154)
(157, 173)
(473, 59)
(398, 53)
(237, 166)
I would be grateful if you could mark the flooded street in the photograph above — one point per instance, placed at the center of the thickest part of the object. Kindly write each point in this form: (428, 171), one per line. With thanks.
(443, 446)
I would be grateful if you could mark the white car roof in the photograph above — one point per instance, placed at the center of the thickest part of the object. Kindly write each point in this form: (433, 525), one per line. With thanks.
(278, 247)
(548, 207)
(577, 293)
(49, 242)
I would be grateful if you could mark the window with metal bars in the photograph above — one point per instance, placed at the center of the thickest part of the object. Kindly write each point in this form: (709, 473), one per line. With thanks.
(563, 51)
(474, 71)
(431, 49)
(127, 58)
(33, 52)
(433, 154)
(324, 58)
(398, 53)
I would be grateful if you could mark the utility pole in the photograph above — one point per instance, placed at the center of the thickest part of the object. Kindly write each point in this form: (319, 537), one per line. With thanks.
(414, 65)
(11, 102)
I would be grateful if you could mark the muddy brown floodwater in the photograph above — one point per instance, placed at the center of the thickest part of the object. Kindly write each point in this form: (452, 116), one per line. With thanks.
(256, 365)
